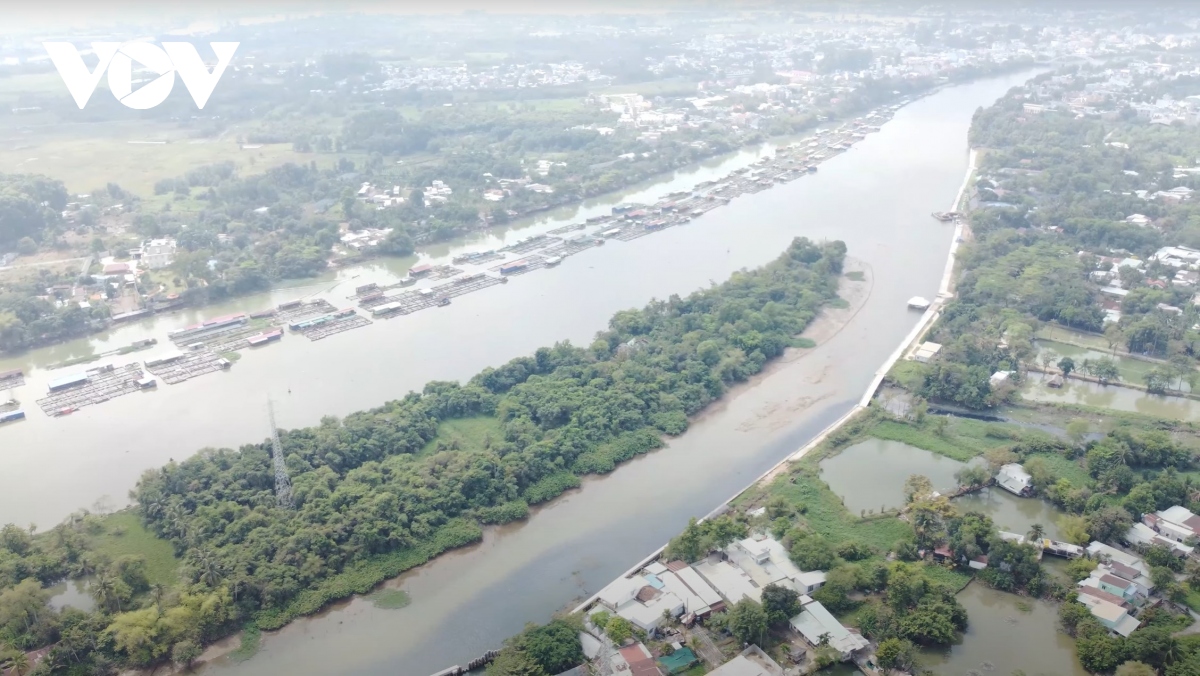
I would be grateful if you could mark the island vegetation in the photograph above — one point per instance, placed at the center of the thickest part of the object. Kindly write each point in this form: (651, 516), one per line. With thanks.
(384, 490)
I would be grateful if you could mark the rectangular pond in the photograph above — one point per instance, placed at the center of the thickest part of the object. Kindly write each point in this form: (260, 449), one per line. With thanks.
(870, 475)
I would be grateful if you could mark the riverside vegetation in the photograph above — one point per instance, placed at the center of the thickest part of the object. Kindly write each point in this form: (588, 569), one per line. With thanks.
(385, 490)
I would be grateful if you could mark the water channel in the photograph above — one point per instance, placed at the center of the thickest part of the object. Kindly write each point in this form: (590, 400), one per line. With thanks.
(877, 198)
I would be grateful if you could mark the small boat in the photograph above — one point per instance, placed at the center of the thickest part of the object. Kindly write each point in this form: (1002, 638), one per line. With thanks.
(12, 416)
(918, 303)
(553, 260)
(65, 411)
(443, 301)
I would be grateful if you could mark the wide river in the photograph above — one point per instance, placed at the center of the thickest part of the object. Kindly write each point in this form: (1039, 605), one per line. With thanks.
(877, 198)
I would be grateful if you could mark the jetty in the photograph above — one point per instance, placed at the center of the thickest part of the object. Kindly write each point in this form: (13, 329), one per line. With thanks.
(94, 386)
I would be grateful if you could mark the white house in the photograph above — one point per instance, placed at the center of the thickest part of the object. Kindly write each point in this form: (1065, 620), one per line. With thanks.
(766, 561)
(1014, 479)
(157, 253)
(926, 352)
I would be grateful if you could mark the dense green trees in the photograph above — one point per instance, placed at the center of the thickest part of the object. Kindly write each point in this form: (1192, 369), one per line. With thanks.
(540, 651)
(371, 501)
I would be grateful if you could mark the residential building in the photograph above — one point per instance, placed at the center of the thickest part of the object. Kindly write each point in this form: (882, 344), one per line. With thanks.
(1144, 534)
(815, 621)
(1014, 479)
(636, 660)
(766, 561)
(926, 352)
(751, 662)
(1114, 617)
(1177, 523)
(156, 254)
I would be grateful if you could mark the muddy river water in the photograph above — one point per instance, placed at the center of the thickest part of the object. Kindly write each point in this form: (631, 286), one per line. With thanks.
(877, 198)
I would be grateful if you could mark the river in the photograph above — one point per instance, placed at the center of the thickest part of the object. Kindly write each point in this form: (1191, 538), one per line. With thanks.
(876, 197)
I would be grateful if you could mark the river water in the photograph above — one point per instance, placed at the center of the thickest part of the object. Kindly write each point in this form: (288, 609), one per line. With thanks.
(876, 197)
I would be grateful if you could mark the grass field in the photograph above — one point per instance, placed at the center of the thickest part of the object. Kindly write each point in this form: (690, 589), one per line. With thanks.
(84, 163)
(825, 514)
(466, 434)
(964, 439)
(654, 88)
(124, 535)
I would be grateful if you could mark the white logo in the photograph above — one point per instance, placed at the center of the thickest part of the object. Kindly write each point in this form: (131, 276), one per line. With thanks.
(118, 58)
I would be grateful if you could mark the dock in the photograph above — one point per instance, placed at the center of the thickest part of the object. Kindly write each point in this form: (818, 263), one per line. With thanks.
(333, 324)
(11, 379)
(413, 301)
(443, 272)
(531, 244)
(93, 387)
(297, 310)
(526, 264)
(570, 247)
(188, 366)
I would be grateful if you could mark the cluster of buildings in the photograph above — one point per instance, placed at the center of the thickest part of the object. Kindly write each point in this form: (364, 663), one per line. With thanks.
(692, 592)
(1104, 93)
(466, 77)
(382, 197)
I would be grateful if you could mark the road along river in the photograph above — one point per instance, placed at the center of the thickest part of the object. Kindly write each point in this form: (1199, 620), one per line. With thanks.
(876, 197)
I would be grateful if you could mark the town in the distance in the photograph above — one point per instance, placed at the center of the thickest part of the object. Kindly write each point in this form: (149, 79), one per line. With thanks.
(606, 340)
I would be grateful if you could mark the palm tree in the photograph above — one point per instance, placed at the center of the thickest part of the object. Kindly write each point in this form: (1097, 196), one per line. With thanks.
(1037, 532)
(208, 568)
(18, 662)
(104, 589)
(158, 592)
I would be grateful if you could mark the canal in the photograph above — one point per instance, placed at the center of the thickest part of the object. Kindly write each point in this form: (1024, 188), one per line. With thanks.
(876, 197)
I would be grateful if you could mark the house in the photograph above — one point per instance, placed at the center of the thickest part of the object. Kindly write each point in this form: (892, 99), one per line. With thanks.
(730, 581)
(751, 662)
(766, 561)
(1140, 220)
(643, 600)
(698, 596)
(1144, 534)
(114, 269)
(1177, 523)
(926, 352)
(156, 254)
(999, 378)
(1014, 479)
(637, 660)
(1114, 617)
(815, 622)
(1130, 564)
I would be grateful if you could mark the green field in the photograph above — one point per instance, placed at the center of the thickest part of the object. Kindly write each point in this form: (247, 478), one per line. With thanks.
(124, 535)
(86, 162)
(466, 434)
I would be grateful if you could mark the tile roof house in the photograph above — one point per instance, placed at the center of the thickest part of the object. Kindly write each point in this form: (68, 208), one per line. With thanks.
(1014, 479)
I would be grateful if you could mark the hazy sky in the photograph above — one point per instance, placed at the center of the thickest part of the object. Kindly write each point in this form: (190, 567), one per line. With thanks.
(61, 14)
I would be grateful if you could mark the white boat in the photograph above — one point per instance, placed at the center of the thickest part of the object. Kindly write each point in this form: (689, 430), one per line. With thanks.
(918, 303)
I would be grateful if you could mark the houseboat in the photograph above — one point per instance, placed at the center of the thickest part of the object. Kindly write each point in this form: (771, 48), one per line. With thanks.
(68, 382)
(553, 260)
(11, 416)
(146, 383)
(420, 270)
(513, 267)
(918, 303)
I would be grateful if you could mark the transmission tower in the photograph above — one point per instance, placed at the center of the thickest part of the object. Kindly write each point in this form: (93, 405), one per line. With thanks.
(283, 483)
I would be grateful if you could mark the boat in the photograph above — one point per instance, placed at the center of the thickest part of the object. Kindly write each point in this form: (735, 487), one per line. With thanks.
(553, 260)
(443, 301)
(65, 411)
(918, 303)
(147, 383)
(12, 416)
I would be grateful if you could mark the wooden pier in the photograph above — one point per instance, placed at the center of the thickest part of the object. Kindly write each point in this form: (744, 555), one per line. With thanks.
(233, 341)
(413, 301)
(189, 366)
(102, 384)
(571, 247)
(534, 262)
(11, 379)
(312, 308)
(564, 229)
(442, 272)
(334, 326)
(532, 244)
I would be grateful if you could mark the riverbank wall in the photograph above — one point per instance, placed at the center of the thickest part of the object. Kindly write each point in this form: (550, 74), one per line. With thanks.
(945, 293)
